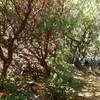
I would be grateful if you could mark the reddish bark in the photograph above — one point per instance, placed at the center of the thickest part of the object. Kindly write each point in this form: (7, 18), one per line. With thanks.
(45, 66)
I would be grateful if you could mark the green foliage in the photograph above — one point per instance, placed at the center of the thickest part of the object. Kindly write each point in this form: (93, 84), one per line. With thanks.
(8, 86)
(63, 56)
(11, 90)
(62, 81)
(56, 24)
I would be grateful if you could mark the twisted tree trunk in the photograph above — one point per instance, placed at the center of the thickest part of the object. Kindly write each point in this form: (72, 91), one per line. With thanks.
(7, 61)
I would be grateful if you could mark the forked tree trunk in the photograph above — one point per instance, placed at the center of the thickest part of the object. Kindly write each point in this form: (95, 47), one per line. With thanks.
(45, 66)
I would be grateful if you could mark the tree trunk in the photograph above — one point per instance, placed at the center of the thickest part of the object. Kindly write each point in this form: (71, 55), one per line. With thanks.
(5, 67)
(45, 66)
(8, 60)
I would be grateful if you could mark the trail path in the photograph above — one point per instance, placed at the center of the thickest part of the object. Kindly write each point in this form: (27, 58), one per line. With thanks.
(92, 90)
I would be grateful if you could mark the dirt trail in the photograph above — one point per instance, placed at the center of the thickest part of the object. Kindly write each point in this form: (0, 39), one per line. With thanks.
(92, 90)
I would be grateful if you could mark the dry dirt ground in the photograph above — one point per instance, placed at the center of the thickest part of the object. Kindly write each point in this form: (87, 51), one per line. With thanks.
(92, 90)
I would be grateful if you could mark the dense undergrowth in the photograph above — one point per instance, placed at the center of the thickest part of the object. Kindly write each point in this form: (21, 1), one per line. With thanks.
(60, 85)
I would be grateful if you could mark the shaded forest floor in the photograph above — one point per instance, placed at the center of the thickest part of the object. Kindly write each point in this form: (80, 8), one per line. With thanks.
(92, 89)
